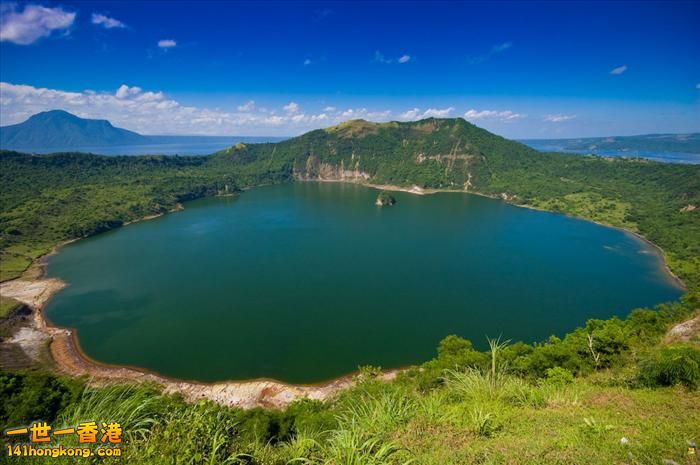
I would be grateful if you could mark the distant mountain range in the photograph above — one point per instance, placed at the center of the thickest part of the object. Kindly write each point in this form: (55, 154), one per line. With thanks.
(681, 143)
(58, 128)
(60, 131)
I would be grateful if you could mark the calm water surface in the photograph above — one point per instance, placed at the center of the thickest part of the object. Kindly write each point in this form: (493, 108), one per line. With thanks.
(304, 282)
(158, 145)
(663, 157)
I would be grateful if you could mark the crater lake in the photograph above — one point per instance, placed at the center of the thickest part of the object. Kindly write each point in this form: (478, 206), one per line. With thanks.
(305, 282)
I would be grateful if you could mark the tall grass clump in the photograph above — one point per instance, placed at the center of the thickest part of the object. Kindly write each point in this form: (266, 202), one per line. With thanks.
(352, 446)
(137, 408)
(434, 407)
(495, 383)
(497, 369)
(483, 423)
(379, 413)
(200, 433)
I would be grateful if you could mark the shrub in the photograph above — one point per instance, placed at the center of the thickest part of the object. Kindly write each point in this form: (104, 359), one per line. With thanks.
(310, 416)
(670, 366)
(454, 353)
(645, 325)
(559, 376)
(554, 353)
(28, 397)
(610, 342)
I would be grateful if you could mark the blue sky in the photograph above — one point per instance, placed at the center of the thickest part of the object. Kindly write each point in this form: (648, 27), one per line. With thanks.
(519, 69)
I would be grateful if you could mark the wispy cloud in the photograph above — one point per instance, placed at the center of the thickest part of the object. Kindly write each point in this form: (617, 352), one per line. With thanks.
(558, 118)
(307, 62)
(106, 21)
(498, 48)
(417, 113)
(166, 43)
(322, 13)
(498, 115)
(697, 86)
(248, 106)
(495, 50)
(34, 22)
(380, 58)
(619, 70)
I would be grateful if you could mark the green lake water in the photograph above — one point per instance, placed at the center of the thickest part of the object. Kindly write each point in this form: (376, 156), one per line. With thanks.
(305, 282)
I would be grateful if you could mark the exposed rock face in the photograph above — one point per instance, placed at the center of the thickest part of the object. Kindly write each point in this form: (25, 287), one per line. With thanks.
(314, 171)
(688, 331)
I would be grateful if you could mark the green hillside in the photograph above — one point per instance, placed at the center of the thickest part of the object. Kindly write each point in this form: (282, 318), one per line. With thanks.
(613, 391)
(51, 198)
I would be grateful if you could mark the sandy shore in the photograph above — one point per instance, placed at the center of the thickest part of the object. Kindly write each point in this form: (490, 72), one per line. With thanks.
(69, 360)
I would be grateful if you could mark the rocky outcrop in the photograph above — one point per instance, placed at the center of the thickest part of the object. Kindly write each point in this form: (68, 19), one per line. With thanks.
(384, 199)
(315, 171)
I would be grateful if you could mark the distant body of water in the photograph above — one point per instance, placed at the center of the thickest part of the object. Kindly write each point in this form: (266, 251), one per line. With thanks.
(307, 281)
(665, 157)
(161, 145)
(205, 145)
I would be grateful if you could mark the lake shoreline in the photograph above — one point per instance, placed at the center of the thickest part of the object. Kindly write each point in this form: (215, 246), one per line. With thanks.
(69, 359)
(660, 252)
(35, 290)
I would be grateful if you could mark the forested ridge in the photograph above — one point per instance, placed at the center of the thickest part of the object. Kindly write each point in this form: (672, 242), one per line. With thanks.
(47, 199)
(611, 391)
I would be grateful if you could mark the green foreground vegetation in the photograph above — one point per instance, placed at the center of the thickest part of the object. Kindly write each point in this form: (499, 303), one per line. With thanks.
(610, 392)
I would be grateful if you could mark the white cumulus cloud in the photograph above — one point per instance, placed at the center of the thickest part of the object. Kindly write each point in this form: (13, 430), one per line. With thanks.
(34, 22)
(558, 118)
(124, 91)
(291, 107)
(106, 21)
(248, 106)
(417, 113)
(405, 59)
(619, 70)
(167, 43)
(498, 115)
(153, 112)
(410, 114)
(438, 112)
